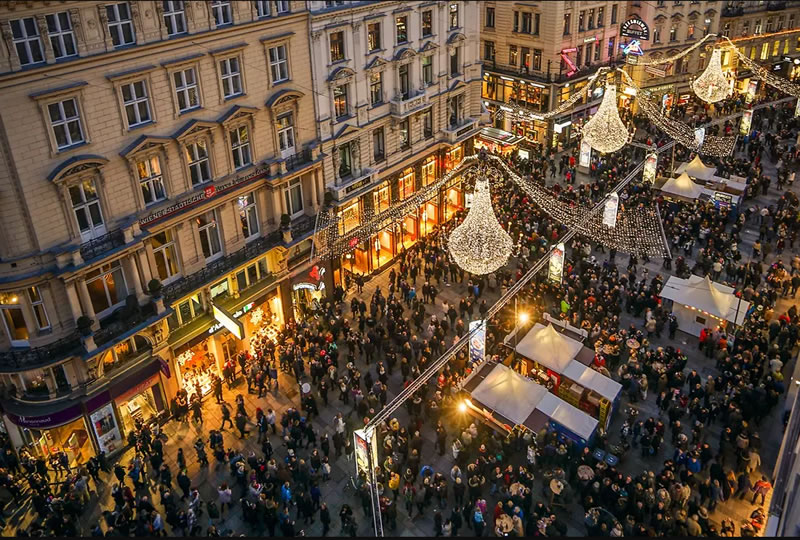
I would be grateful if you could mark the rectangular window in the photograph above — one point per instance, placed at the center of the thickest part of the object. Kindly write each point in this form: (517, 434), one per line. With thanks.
(340, 107)
(66, 123)
(337, 46)
(174, 17)
(769, 25)
(589, 53)
(428, 172)
(107, 287)
(780, 23)
(231, 75)
(405, 85)
(187, 310)
(657, 35)
(601, 15)
(406, 185)
(455, 61)
(673, 33)
(614, 14)
(513, 54)
(14, 322)
(62, 37)
(590, 21)
(427, 70)
(516, 21)
(597, 48)
(427, 123)
(186, 89)
(136, 103)
(39, 310)
(537, 59)
(380, 199)
(293, 195)
(263, 8)
(579, 55)
(281, 6)
(120, 24)
(453, 16)
(488, 51)
(757, 27)
(489, 17)
(427, 23)
(286, 134)
(401, 29)
(86, 207)
(764, 51)
(240, 147)
(785, 46)
(378, 145)
(197, 160)
(690, 31)
(25, 34)
(567, 20)
(612, 41)
(405, 135)
(209, 235)
(374, 37)
(527, 23)
(278, 65)
(791, 21)
(248, 215)
(536, 20)
(455, 108)
(151, 180)
(165, 256)
(376, 87)
(345, 161)
(581, 19)
(776, 48)
(221, 9)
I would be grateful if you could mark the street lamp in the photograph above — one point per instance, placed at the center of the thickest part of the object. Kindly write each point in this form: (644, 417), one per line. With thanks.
(520, 319)
(462, 407)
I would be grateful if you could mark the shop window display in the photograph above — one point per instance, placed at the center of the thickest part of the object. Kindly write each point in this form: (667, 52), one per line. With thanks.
(71, 438)
(195, 367)
(139, 407)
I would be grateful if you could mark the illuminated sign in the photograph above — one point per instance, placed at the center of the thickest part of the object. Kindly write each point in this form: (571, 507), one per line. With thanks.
(634, 48)
(570, 64)
(649, 170)
(797, 109)
(228, 321)
(585, 154)
(610, 211)
(556, 268)
(699, 136)
(751, 91)
(477, 344)
(635, 28)
(747, 119)
(558, 128)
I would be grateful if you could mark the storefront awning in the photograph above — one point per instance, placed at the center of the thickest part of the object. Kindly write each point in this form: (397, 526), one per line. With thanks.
(42, 416)
(499, 136)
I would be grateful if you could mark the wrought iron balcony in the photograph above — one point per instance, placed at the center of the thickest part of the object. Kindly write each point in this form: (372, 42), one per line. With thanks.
(298, 160)
(102, 244)
(22, 359)
(121, 321)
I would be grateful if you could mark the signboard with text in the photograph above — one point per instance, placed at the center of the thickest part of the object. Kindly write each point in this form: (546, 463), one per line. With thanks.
(635, 28)
(228, 321)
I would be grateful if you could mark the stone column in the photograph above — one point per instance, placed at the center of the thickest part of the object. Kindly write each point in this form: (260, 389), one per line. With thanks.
(132, 277)
(314, 200)
(86, 302)
(74, 302)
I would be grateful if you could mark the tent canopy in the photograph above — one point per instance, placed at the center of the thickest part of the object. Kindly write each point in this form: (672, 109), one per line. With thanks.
(682, 186)
(548, 347)
(703, 294)
(593, 380)
(697, 169)
(572, 418)
(509, 393)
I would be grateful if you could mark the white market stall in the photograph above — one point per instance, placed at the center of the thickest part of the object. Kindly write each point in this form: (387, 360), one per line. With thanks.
(548, 347)
(697, 169)
(682, 187)
(698, 303)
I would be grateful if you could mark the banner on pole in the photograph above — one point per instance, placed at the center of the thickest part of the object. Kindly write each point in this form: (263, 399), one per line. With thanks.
(610, 211)
(556, 268)
(649, 170)
(585, 154)
(477, 344)
(747, 119)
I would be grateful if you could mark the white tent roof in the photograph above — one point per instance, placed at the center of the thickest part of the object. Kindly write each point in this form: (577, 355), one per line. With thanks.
(572, 418)
(705, 295)
(548, 347)
(697, 169)
(509, 393)
(682, 186)
(593, 380)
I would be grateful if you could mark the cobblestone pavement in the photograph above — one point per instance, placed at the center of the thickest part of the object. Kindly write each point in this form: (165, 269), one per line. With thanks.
(206, 479)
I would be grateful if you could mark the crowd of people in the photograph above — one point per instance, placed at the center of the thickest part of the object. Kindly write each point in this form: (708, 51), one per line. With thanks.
(350, 351)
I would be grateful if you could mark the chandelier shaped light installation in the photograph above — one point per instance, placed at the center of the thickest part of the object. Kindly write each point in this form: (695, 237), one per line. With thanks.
(712, 86)
(605, 131)
(480, 245)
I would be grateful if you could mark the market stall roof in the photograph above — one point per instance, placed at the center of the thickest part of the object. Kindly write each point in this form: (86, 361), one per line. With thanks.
(703, 294)
(593, 380)
(509, 393)
(697, 169)
(683, 187)
(548, 347)
(572, 418)
(499, 136)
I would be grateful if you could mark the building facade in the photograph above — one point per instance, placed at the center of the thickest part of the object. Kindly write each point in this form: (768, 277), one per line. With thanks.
(159, 176)
(397, 96)
(538, 54)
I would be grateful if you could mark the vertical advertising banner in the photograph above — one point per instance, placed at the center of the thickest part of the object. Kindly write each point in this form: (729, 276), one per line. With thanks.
(362, 453)
(747, 119)
(649, 170)
(610, 211)
(556, 269)
(699, 137)
(797, 109)
(751, 91)
(477, 344)
(586, 154)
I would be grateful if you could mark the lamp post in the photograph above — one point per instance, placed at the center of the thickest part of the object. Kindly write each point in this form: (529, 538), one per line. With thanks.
(519, 320)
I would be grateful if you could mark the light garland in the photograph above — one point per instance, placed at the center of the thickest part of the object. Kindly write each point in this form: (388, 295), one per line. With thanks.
(480, 245)
(257, 316)
(674, 57)
(712, 86)
(605, 131)
(773, 80)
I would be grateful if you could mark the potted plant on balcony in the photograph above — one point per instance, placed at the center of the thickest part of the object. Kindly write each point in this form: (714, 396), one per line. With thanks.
(84, 325)
(154, 288)
(328, 199)
(286, 227)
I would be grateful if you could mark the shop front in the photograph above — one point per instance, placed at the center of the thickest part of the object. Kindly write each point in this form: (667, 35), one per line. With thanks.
(308, 290)
(137, 399)
(47, 434)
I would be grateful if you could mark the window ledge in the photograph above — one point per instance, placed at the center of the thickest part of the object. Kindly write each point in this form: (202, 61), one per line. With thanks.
(375, 51)
(141, 125)
(234, 96)
(71, 147)
(284, 81)
(189, 111)
(339, 62)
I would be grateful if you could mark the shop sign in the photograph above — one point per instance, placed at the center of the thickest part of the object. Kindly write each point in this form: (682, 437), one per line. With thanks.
(556, 268)
(138, 389)
(164, 367)
(207, 193)
(635, 28)
(228, 321)
(634, 48)
(649, 170)
(106, 429)
(361, 183)
(656, 71)
(747, 119)
(585, 154)
(48, 421)
(477, 344)
(558, 128)
(610, 211)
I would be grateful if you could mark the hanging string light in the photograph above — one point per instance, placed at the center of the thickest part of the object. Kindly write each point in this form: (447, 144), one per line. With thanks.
(605, 131)
(712, 86)
(773, 80)
(480, 245)
(669, 59)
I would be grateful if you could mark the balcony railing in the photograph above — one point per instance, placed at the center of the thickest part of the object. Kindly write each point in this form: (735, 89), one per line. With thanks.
(542, 77)
(401, 106)
(299, 159)
(302, 225)
(22, 359)
(458, 129)
(121, 321)
(102, 244)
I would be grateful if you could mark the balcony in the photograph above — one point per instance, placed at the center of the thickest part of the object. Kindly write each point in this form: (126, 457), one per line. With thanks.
(454, 132)
(122, 321)
(752, 7)
(349, 186)
(298, 160)
(24, 359)
(400, 107)
(102, 244)
(542, 77)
